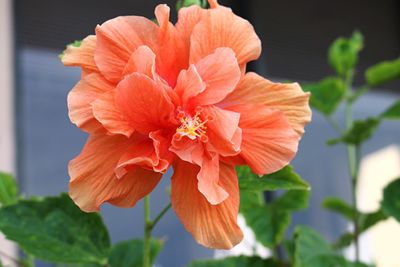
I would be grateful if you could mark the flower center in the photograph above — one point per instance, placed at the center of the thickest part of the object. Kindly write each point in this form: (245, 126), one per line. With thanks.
(192, 127)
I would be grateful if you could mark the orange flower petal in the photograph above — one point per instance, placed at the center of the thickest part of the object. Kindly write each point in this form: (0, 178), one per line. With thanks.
(80, 100)
(82, 56)
(188, 17)
(213, 226)
(189, 84)
(110, 115)
(208, 176)
(172, 56)
(118, 38)
(288, 98)
(143, 60)
(94, 182)
(223, 130)
(221, 73)
(145, 104)
(268, 141)
(149, 153)
(221, 28)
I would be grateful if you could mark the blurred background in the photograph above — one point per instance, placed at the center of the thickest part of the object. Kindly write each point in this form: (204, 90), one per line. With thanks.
(37, 139)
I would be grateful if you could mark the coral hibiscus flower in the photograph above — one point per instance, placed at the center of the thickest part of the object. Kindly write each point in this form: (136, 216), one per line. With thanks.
(154, 96)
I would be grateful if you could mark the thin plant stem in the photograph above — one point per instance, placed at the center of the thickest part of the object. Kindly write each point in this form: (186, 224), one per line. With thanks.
(353, 156)
(147, 232)
(159, 216)
(335, 125)
(148, 228)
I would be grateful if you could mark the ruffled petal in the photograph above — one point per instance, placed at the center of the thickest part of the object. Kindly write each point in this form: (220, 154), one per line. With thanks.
(118, 38)
(268, 141)
(145, 104)
(80, 100)
(82, 56)
(188, 17)
(149, 153)
(110, 115)
(224, 134)
(288, 98)
(189, 84)
(219, 27)
(213, 226)
(172, 55)
(93, 180)
(220, 72)
(143, 60)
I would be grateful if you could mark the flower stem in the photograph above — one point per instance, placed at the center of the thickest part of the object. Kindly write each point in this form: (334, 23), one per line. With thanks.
(148, 228)
(353, 156)
(147, 232)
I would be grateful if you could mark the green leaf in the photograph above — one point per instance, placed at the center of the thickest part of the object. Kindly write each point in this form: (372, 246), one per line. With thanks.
(391, 199)
(326, 95)
(392, 113)
(289, 247)
(383, 72)
(344, 240)
(292, 200)
(367, 220)
(130, 253)
(361, 131)
(269, 221)
(284, 179)
(339, 206)
(343, 53)
(186, 3)
(8, 189)
(242, 261)
(56, 230)
(311, 250)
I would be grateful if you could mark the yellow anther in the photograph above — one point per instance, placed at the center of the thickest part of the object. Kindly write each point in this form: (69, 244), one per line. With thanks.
(192, 127)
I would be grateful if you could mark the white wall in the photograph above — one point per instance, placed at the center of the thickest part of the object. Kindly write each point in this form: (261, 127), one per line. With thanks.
(7, 135)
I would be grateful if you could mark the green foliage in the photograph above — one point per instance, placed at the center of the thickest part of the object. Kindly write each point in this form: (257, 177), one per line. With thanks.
(339, 206)
(242, 261)
(383, 72)
(361, 131)
(326, 95)
(391, 199)
(343, 53)
(130, 253)
(269, 221)
(186, 3)
(393, 112)
(284, 179)
(55, 230)
(8, 189)
(312, 250)
(365, 222)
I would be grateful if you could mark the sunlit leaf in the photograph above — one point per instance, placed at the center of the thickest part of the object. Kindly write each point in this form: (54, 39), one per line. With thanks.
(383, 72)
(285, 179)
(326, 95)
(361, 131)
(130, 253)
(343, 53)
(56, 230)
(391, 199)
(8, 189)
